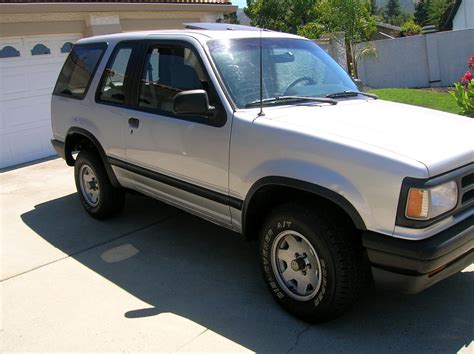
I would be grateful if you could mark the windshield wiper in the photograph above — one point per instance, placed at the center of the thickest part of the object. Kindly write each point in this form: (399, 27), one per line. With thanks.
(351, 94)
(291, 98)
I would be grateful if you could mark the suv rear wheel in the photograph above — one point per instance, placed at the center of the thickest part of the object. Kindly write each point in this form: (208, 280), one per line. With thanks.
(98, 196)
(309, 262)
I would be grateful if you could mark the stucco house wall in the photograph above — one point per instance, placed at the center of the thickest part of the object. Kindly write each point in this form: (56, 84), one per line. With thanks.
(95, 18)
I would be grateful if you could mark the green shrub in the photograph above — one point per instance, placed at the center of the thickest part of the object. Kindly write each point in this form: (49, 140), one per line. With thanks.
(410, 28)
(464, 95)
(464, 91)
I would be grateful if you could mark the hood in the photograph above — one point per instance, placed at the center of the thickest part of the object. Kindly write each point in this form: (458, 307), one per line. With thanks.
(439, 140)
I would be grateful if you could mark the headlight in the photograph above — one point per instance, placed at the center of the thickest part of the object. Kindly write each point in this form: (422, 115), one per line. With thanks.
(425, 204)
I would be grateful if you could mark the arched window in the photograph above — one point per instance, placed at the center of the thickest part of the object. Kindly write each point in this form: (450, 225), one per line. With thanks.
(9, 52)
(66, 48)
(40, 49)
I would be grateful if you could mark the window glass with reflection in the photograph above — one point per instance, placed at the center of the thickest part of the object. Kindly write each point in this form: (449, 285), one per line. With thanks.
(78, 70)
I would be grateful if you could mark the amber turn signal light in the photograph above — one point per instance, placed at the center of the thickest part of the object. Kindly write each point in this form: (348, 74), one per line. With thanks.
(417, 204)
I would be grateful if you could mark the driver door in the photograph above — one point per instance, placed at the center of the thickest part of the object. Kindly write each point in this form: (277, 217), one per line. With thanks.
(181, 159)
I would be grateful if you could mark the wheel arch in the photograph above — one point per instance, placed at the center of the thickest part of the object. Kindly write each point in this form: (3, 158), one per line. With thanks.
(78, 139)
(294, 189)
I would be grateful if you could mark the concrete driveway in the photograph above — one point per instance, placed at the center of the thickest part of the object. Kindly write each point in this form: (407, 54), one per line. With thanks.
(158, 279)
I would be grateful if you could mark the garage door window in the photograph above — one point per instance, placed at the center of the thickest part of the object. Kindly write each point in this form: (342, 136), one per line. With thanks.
(9, 52)
(78, 70)
(40, 49)
(66, 48)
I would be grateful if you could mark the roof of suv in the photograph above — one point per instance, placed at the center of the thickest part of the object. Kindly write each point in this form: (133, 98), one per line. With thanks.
(201, 35)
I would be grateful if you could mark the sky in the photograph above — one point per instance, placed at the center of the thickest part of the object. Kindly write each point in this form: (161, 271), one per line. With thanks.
(240, 3)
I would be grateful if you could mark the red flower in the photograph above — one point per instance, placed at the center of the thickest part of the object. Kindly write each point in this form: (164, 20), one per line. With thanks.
(467, 76)
(470, 62)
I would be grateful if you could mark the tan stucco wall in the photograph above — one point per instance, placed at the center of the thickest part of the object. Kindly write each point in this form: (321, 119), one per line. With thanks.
(38, 28)
(95, 19)
(129, 25)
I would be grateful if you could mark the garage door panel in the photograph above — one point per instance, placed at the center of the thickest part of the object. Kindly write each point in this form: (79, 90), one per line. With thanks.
(45, 78)
(5, 153)
(12, 84)
(26, 83)
(26, 113)
(46, 136)
(27, 145)
(22, 144)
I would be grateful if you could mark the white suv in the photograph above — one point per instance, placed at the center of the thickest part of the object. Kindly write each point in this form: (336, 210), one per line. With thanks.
(263, 133)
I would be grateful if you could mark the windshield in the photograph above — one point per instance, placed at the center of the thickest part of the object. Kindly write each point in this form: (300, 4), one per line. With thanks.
(291, 67)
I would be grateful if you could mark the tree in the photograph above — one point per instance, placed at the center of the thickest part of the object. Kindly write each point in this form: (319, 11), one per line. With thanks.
(313, 17)
(311, 30)
(394, 15)
(231, 18)
(422, 12)
(393, 9)
(281, 15)
(437, 14)
(373, 7)
(350, 16)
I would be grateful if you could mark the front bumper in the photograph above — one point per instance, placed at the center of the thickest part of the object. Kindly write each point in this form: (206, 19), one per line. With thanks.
(412, 266)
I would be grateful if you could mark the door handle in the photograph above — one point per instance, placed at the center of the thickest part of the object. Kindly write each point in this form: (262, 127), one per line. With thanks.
(133, 123)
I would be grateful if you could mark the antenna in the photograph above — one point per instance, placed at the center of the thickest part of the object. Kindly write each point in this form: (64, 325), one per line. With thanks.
(261, 77)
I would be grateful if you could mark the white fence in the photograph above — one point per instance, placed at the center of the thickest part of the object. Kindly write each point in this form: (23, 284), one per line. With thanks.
(431, 60)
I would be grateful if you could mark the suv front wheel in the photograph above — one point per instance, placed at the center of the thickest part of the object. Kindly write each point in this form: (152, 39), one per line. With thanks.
(310, 262)
(98, 196)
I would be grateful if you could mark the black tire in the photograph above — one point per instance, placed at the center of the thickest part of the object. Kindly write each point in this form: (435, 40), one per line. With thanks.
(338, 258)
(110, 200)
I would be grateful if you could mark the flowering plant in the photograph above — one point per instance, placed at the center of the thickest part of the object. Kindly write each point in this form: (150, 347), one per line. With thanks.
(464, 91)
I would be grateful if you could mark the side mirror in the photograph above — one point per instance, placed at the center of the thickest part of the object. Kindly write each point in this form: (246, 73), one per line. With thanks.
(192, 103)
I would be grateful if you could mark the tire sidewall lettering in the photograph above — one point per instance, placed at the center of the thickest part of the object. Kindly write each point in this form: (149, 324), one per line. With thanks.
(270, 234)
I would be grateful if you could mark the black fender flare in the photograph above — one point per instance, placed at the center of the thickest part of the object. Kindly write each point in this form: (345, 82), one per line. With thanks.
(315, 189)
(70, 160)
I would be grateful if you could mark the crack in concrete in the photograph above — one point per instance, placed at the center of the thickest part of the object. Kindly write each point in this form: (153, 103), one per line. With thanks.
(298, 336)
(189, 341)
(91, 247)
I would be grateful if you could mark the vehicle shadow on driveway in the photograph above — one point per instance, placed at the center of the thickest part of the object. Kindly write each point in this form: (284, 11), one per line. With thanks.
(183, 265)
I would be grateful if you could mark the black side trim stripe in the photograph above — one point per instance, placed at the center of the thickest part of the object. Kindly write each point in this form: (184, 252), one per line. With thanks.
(177, 183)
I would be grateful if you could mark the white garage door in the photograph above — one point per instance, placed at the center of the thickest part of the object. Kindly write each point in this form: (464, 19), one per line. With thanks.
(29, 67)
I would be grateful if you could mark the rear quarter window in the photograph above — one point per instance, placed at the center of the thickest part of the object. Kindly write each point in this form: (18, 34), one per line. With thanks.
(78, 70)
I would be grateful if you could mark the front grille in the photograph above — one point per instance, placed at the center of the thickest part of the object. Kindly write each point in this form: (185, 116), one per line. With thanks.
(467, 197)
(466, 193)
(468, 180)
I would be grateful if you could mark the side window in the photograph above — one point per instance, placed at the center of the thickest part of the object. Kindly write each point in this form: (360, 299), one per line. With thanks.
(167, 71)
(114, 80)
(79, 69)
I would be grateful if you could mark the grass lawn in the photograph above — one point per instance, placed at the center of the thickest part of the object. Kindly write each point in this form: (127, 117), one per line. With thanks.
(441, 101)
